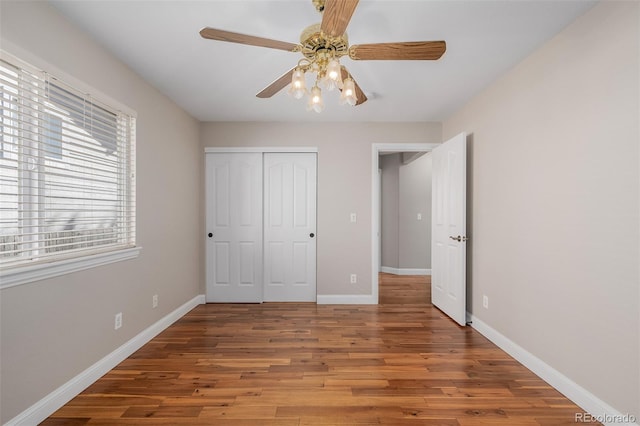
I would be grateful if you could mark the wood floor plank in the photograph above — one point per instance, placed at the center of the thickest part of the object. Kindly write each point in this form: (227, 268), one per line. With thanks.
(292, 364)
(162, 411)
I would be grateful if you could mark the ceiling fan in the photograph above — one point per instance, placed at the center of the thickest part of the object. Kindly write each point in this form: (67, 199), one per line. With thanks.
(322, 45)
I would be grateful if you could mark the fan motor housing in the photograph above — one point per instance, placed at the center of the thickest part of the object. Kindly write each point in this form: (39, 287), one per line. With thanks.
(315, 42)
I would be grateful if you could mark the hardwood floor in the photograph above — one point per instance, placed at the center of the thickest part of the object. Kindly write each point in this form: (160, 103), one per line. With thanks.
(305, 364)
(404, 289)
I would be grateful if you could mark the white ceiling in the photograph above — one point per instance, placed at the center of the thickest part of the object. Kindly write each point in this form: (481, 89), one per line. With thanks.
(217, 81)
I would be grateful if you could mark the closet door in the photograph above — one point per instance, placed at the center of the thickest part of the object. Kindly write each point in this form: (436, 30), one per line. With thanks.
(234, 227)
(290, 227)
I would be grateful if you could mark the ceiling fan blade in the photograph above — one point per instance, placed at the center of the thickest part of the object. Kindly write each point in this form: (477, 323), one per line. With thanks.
(360, 96)
(336, 16)
(221, 35)
(411, 50)
(277, 85)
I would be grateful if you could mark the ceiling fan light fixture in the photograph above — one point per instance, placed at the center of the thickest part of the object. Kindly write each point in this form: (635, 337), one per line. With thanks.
(322, 45)
(348, 94)
(316, 103)
(298, 86)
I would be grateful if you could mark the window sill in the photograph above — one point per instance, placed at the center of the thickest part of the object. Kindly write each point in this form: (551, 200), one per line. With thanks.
(28, 274)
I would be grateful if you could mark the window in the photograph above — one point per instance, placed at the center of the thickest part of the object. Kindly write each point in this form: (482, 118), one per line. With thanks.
(52, 139)
(7, 149)
(67, 183)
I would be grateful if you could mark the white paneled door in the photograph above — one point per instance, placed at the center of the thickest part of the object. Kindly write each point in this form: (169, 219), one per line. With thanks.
(234, 227)
(261, 226)
(448, 280)
(290, 227)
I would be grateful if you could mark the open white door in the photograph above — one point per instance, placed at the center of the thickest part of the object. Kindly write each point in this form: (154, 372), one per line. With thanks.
(449, 225)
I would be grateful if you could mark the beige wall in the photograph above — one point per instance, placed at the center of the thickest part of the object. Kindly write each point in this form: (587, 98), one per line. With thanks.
(344, 185)
(415, 197)
(390, 210)
(52, 330)
(554, 203)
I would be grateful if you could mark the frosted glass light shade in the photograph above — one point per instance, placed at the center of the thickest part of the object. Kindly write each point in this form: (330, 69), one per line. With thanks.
(333, 75)
(348, 94)
(298, 86)
(316, 103)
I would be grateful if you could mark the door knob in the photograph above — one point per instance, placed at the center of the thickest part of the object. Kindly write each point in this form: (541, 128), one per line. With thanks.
(459, 238)
(210, 234)
(312, 235)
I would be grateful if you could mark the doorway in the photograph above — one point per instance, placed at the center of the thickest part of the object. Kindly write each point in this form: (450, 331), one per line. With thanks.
(405, 213)
(376, 219)
(448, 287)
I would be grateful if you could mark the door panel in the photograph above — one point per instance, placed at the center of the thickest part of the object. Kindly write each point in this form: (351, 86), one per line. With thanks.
(290, 219)
(234, 217)
(276, 262)
(221, 185)
(301, 184)
(300, 263)
(248, 262)
(221, 253)
(448, 281)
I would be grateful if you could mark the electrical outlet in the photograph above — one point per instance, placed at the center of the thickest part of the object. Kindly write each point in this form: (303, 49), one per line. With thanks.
(354, 278)
(354, 218)
(154, 301)
(118, 321)
(485, 301)
(419, 216)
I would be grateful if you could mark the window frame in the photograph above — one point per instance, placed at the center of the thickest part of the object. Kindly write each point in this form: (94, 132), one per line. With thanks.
(73, 262)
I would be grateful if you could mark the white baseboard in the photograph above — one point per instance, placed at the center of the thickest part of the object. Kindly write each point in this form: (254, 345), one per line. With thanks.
(405, 271)
(594, 406)
(56, 399)
(345, 299)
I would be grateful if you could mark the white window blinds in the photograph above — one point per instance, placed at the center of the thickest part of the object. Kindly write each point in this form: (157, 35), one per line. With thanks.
(67, 181)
